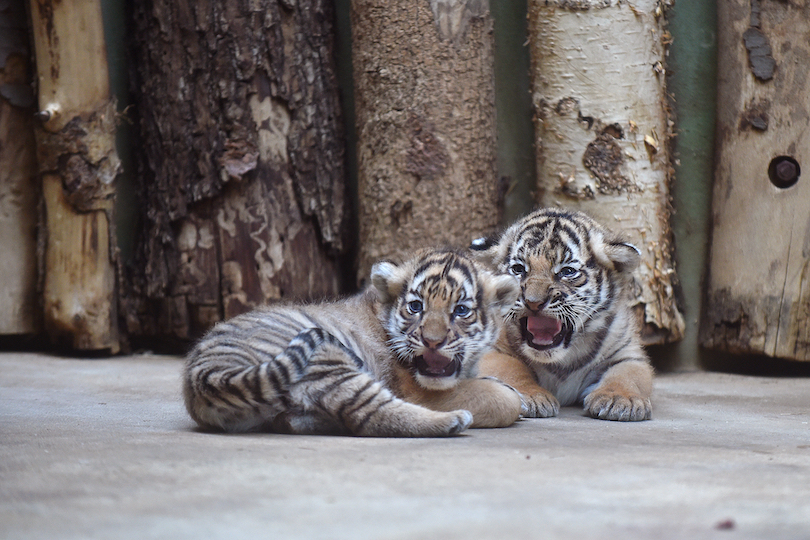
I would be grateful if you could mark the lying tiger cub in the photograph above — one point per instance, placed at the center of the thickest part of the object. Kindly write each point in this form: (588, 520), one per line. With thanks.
(397, 360)
(572, 328)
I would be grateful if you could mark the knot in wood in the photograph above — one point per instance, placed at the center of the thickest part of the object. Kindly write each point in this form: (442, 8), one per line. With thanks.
(604, 158)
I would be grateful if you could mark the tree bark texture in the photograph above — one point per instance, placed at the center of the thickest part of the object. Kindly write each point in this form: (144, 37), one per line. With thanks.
(602, 130)
(424, 98)
(78, 164)
(759, 276)
(242, 162)
(20, 309)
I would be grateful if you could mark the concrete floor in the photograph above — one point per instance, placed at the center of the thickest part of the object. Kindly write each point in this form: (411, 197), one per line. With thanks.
(104, 449)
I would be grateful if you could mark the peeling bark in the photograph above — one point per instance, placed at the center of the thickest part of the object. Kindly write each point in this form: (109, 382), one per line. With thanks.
(242, 166)
(759, 272)
(601, 132)
(424, 93)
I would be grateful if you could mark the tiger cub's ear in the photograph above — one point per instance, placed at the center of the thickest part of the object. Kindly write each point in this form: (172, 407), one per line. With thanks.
(501, 291)
(625, 256)
(614, 253)
(388, 279)
(491, 250)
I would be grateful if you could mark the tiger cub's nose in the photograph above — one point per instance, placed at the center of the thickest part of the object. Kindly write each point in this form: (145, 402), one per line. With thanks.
(432, 342)
(535, 305)
(434, 331)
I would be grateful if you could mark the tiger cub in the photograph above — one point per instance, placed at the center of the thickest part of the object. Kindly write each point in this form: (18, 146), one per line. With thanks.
(572, 325)
(397, 360)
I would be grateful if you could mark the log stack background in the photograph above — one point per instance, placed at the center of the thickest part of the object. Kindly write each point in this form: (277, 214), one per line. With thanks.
(242, 194)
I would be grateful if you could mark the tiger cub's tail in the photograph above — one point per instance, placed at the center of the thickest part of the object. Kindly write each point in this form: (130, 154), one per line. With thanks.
(237, 385)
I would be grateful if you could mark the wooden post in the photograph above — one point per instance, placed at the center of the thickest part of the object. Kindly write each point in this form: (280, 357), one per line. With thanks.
(241, 166)
(602, 132)
(759, 273)
(78, 164)
(20, 311)
(424, 98)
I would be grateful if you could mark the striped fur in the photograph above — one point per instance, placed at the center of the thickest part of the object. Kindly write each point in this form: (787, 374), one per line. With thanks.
(349, 366)
(572, 325)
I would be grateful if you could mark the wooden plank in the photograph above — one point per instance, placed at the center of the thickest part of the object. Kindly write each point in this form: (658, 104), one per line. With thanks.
(78, 164)
(759, 276)
(78, 308)
(71, 60)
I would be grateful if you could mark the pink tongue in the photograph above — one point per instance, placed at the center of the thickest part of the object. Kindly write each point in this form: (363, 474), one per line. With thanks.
(436, 362)
(543, 329)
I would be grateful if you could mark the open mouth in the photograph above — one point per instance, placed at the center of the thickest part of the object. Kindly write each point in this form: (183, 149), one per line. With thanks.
(541, 332)
(434, 364)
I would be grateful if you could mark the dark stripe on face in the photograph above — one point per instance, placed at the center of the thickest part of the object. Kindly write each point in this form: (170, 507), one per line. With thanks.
(599, 278)
(561, 371)
(434, 286)
(574, 236)
(534, 228)
(444, 280)
(611, 287)
(482, 313)
(433, 260)
(465, 268)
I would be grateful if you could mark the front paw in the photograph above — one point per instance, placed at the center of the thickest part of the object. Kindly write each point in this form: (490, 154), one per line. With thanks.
(539, 405)
(497, 404)
(606, 405)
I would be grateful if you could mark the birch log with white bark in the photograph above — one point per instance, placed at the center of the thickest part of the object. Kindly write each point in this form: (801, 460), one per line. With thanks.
(759, 272)
(602, 129)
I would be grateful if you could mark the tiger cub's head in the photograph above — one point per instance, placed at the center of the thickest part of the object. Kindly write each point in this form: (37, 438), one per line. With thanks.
(442, 311)
(573, 278)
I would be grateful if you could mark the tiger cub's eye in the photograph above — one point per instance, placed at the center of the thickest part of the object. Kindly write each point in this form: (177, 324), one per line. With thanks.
(568, 272)
(461, 311)
(415, 306)
(517, 269)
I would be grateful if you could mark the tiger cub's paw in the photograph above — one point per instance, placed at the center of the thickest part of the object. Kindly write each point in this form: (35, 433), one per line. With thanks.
(410, 420)
(464, 419)
(493, 403)
(607, 405)
(539, 405)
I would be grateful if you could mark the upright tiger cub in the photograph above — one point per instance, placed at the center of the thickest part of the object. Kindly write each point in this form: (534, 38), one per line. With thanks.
(398, 359)
(572, 325)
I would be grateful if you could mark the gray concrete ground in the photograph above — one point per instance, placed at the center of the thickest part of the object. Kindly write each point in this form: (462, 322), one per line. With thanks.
(104, 449)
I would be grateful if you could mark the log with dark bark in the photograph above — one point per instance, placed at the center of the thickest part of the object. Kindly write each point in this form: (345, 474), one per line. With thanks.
(241, 163)
(424, 98)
